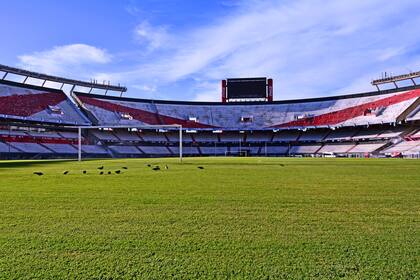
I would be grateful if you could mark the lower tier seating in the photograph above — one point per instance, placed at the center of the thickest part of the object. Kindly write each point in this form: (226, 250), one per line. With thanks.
(353, 141)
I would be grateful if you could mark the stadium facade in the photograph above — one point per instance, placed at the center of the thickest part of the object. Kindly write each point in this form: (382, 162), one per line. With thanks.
(41, 122)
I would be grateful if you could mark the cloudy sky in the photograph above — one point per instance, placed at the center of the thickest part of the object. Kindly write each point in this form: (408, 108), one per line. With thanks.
(181, 49)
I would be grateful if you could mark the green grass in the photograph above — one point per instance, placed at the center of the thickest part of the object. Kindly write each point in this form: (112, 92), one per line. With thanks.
(238, 218)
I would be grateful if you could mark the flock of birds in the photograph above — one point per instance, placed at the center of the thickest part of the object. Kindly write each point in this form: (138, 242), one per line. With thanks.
(102, 172)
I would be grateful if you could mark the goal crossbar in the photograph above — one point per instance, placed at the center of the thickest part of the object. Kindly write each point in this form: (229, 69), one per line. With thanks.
(80, 128)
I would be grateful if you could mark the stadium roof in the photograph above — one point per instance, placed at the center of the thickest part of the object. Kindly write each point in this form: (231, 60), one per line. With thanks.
(30, 74)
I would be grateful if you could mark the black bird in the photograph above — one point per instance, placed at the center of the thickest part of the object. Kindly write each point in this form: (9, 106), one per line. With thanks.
(281, 164)
(101, 173)
(100, 167)
(65, 172)
(84, 172)
(200, 167)
(149, 165)
(109, 172)
(118, 171)
(124, 167)
(156, 168)
(39, 173)
(166, 166)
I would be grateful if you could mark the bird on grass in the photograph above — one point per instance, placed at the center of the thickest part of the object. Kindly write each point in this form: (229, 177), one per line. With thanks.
(149, 165)
(100, 167)
(84, 171)
(66, 172)
(281, 164)
(101, 173)
(200, 167)
(166, 167)
(118, 171)
(38, 173)
(109, 172)
(156, 168)
(124, 167)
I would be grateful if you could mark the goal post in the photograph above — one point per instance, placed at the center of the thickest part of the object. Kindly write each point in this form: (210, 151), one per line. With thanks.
(175, 127)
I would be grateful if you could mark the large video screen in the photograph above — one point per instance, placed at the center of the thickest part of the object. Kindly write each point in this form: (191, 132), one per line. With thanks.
(247, 88)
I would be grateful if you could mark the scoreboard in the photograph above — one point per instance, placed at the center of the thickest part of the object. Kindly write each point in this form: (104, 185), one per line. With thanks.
(247, 89)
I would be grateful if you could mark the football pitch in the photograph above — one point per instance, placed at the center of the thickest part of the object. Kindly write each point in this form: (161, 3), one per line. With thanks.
(236, 218)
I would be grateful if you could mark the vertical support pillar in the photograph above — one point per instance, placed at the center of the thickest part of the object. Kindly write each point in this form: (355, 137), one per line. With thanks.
(270, 90)
(265, 149)
(79, 144)
(180, 143)
(224, 95)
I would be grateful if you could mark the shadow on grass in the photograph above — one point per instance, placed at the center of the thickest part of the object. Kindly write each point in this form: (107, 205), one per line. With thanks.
(28, 163)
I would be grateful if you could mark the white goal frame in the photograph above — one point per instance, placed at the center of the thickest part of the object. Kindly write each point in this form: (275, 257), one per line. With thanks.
(239, 153)
(80, 128)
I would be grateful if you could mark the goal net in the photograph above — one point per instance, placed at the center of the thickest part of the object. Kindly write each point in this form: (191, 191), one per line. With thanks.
(238, 153)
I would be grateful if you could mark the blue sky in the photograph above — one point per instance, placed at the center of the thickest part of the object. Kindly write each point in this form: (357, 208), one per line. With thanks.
(182, 49)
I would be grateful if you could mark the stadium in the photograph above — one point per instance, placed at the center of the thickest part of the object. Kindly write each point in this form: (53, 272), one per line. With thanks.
(37, 122)
(219, 202)
(227, 139)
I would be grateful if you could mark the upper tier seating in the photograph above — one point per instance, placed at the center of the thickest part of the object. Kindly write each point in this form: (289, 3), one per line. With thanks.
(352, 110)
(30, 103)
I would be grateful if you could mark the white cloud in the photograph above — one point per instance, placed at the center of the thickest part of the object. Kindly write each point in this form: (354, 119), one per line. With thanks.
(152, 36)
(66, 59)
(147, 88)
(310, 47)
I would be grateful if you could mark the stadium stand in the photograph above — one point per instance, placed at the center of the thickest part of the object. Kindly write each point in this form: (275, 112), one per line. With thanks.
(350, 110)
(336, 148)
(37, 122)
(35, 104)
